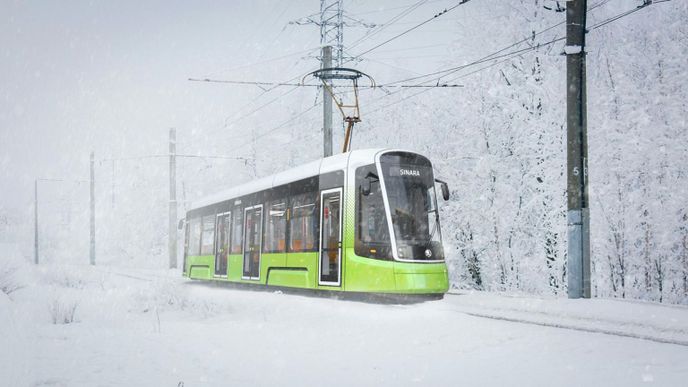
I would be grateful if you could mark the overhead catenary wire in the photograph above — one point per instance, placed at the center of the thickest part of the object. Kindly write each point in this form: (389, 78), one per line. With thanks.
(413, 48)
(257, 83)
(161, 156)
(397, 36)
(259, 108)
(238, 117)
(646, 3)
(423, 91)
(391, 8)
(77, 181)
(388, 23)
(288, 83)
(494, 55)
(280, 126)
(270, 60)
(390, 85)
(511, 54)
(443, 73)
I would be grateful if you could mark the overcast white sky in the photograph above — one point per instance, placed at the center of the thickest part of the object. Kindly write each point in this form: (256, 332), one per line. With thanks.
(108, 76)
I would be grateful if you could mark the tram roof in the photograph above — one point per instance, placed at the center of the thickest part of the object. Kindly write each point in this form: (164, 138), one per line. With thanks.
(313, 168)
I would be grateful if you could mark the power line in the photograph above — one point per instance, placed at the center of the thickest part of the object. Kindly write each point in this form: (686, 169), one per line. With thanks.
(508, 56)
(646, 3)
(144, 157)
(213, 157)
(288, 81)
(388, 23)
(280, 126)
(423, 91)
(257, 83)
(390, 65)
(411, 57)
(62, 180)
(492, 55)
(443, 12)
(413, 48)
(391, 8)
(131, 158)
(261, 107)
(274, 59)
(265, 91)
(511, 54)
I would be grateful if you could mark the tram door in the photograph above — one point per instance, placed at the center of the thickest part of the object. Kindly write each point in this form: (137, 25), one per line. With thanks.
(221, 244)
(253, 223)
(330, 263)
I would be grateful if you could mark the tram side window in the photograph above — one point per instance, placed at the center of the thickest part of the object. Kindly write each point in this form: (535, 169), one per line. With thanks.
(303, 222)
(208, 237)
(372, 231)
(194, 235)
(237, 230)
(275, 227)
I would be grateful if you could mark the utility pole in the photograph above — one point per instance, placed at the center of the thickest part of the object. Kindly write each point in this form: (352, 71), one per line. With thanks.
(331, 25)
(93, 212)
(172, 244)
(327, 105)
(331, 35)
(577, 153)
(35, 221)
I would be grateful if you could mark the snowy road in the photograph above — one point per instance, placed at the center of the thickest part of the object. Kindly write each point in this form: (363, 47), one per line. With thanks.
(168, 331)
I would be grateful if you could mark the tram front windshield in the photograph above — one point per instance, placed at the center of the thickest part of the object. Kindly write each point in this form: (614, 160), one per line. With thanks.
(410, 187)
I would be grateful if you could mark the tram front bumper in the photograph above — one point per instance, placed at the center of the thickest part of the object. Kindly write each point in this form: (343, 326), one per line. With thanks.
(421, 277)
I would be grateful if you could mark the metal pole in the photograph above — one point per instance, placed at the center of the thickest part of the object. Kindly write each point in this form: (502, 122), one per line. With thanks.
(35, 222)
(327, 105)
(93, 212)
(577, 153)
(112, 186)
(172, 245)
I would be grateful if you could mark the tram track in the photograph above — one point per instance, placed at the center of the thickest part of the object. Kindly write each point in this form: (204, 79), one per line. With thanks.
(577, 323)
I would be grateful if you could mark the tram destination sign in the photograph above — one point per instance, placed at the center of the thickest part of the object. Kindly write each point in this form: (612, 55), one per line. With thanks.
(405, 172)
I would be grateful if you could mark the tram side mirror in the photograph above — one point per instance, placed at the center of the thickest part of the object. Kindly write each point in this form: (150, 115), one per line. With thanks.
(180, 225)
(445, 189)
(368, 182)
(365, 187)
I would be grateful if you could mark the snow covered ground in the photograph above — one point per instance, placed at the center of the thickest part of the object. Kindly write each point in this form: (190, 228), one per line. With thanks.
(137, 327)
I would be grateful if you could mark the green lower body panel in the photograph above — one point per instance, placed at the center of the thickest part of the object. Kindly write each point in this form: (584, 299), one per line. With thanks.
(235, 266)
(201, 267)
(292, 278)
(359, 274)
(200, 272)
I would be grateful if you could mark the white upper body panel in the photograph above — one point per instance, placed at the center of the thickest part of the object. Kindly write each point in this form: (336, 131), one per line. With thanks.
(337, 162)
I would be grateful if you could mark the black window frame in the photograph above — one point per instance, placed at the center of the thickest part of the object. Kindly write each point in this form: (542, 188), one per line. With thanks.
(197, 252)
(381, 250)
(273, 196)
(237, 214)
(308, 186)
(213, 218)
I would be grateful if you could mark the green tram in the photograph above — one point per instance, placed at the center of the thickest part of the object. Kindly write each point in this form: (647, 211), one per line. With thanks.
(361, 221)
